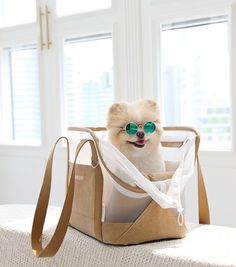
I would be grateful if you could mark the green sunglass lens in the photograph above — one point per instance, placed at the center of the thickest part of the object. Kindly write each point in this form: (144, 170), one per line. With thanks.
(131, 128)
(149, 127)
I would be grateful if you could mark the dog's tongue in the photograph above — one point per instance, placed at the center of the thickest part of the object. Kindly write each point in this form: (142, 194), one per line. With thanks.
(140, 142)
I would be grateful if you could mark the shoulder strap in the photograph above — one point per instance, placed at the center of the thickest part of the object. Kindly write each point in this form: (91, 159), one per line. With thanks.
(43, 200)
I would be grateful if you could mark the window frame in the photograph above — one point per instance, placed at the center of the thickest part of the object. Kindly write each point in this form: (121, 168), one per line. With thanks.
(14, 37)
(51, 98)
(185, 25)
(135, 55)
(157, 12)
(76, 26)
(104, 35)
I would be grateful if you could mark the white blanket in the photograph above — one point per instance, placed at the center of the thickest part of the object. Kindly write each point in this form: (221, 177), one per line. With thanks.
(203, 246)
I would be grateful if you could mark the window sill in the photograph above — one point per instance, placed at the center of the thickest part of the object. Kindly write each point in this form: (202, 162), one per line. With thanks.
(17, 150)
(21, 144)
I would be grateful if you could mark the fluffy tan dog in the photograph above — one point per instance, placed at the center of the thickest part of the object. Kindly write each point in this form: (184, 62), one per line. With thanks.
(143, 149)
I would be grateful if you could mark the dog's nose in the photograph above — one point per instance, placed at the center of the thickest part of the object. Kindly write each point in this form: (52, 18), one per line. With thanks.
(140, 134)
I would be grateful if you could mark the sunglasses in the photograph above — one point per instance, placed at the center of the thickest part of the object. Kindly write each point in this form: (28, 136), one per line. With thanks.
(132, 128)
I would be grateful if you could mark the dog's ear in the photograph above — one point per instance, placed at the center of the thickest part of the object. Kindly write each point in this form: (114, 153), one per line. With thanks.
(117, 109)
(151, 104)
(116, 113)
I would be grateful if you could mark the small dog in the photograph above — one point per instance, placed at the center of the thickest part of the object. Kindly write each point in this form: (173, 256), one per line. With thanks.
(134, 128)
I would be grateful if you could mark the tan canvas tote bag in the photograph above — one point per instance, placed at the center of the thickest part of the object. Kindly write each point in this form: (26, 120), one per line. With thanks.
(83, 203)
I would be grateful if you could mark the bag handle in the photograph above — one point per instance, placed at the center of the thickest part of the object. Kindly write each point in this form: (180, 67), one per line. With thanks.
(43, 200)
(203, 207)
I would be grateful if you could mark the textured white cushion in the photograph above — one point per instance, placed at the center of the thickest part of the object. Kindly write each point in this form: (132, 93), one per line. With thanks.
(203, 246)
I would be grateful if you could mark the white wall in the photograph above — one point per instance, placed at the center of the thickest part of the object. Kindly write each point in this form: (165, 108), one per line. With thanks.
(21, 178)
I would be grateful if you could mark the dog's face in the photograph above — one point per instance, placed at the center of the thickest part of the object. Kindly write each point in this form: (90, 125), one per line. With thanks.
(140, 112)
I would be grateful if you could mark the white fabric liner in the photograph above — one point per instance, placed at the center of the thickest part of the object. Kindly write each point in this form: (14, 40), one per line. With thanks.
(166, 193)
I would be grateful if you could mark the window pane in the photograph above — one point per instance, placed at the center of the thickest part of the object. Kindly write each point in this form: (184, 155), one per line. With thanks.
(88, 81)
(15, 12)
(68, 7)
(25, 95)
(195, 79)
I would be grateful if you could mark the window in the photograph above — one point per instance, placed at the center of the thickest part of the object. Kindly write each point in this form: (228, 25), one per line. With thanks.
(195, 78)
(21, 109)
(192, 66)
(88, 80)
(20, 120)
(33, 109)
(15, 12)
(68, 7)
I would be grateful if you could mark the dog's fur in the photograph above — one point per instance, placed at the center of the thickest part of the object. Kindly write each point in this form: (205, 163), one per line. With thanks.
(145, 153)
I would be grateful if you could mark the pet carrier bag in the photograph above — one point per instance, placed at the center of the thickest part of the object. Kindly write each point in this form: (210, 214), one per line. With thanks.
(109, 199)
